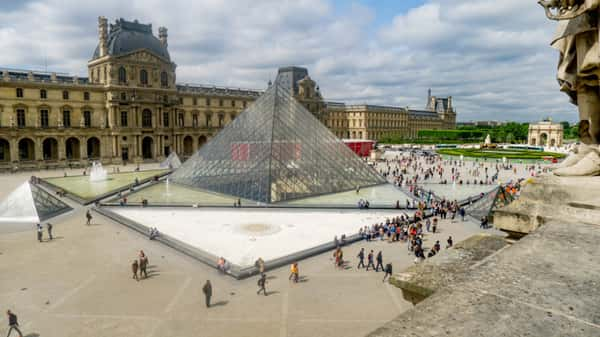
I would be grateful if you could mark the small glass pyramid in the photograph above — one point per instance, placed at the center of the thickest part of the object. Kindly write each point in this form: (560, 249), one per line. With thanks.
(276, 150)
(30, 204)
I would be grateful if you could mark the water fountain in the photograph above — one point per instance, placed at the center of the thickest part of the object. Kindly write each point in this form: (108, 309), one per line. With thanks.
(167, 192)
(97, 172)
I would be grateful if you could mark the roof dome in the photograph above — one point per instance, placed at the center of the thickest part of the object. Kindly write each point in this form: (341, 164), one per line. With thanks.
(126, 37)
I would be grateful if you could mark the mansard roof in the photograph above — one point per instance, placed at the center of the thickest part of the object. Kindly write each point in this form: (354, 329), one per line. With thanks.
(125, 37)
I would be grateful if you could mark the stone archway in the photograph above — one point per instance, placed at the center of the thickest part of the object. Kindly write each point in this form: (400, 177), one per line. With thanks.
(93, 148)
(50, 149)
(188, 146)
(26, 149)
(72, 146)
(4, 150)
(201, 141)
(147, 148)
(533, 142)
(543, 139)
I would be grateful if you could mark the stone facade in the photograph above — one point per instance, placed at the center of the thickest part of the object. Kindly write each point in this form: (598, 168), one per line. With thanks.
(131, 109)
(545, 133)
(370, 121)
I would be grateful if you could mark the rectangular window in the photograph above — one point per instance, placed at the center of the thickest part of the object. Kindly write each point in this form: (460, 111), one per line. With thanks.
(208, 102)
(67, 118)
(124, 118)
(20, 92)
(44, 118)
(181, 120)
(166, 119)
(86, 96)
(244, 104)
(43, 94)
(65, 94)
(233, 104)
(87, 119)
(195, 120)
(220, 102)
(21, 118)
(195, 101)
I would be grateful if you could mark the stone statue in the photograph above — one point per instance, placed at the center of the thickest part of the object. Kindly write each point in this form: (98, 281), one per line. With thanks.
(578, 73)
(488, 140)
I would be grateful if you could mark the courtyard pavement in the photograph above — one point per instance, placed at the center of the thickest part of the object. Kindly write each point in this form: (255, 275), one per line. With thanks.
(80, 284)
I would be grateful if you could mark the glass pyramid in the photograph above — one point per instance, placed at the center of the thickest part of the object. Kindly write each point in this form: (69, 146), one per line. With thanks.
(276, 150)
(30, 204)
(172, 161)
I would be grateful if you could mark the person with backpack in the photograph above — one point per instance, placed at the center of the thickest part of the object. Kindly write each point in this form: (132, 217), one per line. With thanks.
(13, 324)
(262, 282)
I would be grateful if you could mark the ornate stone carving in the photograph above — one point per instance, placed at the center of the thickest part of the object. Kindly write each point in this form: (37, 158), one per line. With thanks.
(578, 70)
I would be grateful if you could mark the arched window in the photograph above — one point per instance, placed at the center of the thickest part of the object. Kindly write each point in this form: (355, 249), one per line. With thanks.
(143, 77)
(164, 79)
(122, 75)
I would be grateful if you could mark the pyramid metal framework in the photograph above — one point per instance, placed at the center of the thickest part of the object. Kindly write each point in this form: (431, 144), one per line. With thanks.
(29, 203)
(276, 150)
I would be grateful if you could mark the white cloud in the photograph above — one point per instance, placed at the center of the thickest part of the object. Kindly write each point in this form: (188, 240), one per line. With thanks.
(491, 56)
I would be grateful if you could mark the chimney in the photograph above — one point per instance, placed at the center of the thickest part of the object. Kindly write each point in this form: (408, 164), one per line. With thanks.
(162, 36)
(103, 35)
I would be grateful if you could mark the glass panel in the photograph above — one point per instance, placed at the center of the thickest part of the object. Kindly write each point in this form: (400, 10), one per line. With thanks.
(276, 150)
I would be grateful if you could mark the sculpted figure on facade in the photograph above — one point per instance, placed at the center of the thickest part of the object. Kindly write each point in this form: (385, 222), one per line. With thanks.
(578, 76)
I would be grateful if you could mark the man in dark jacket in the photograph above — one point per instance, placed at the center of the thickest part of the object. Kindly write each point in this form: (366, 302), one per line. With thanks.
(207, 290)
(361, 258)
(13, 324)
(370, 260)
(262, 282)
(379, 261)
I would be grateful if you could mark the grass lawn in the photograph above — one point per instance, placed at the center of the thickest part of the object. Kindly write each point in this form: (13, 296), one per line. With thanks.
(500, 153)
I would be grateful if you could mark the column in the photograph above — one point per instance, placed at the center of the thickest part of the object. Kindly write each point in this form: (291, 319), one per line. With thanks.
(61, 148)
(38, 149)
(82, 148)
(14, 149)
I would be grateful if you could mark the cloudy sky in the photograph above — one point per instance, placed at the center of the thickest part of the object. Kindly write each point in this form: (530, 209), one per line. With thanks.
(492, 56)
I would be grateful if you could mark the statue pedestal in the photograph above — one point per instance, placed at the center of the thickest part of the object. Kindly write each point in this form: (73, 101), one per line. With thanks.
(568, 199)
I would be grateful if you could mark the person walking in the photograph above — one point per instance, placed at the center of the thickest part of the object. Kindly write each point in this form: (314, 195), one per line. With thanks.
(370, 260)
(262, 282)
(134, 269)
(450, 242)
(379, 261)
(294, 272)
(88, 216)
(462, 213)
(361, 258)
(260, 264)
(388, 271)
(49, 227)
(40, 232)
(143, 265)
(13, 324)
(207, 290)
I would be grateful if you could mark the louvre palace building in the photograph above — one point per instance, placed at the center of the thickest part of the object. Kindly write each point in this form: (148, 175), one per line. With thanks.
(130, 108)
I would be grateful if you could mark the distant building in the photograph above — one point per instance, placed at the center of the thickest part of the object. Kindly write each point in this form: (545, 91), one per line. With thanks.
(545, 133)
(131, 109)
